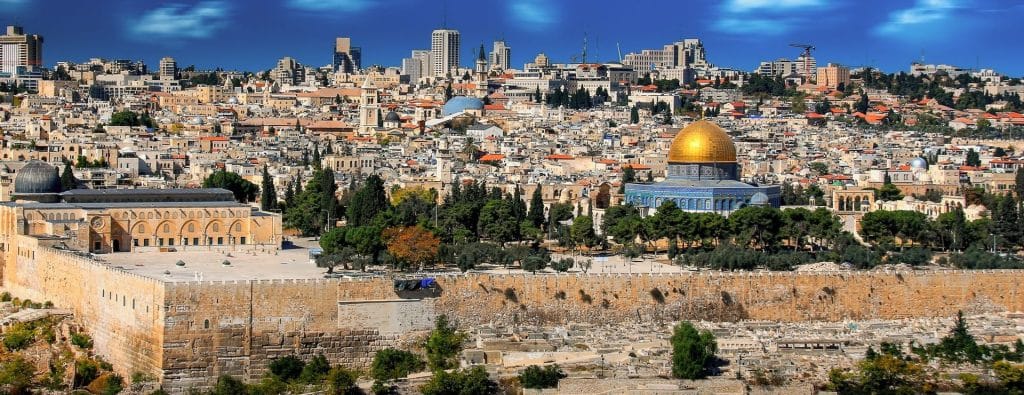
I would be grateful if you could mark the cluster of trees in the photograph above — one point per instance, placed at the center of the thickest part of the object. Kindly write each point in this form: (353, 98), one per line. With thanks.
(763, 229)
(578, 99)
(893, 231)
(800, 196)
(475, 224)
(130, 118)
(211, 79)
(243, 190)
(662, 85)
(891, 370)
(289, 374)
(313, 209)
(766, 86)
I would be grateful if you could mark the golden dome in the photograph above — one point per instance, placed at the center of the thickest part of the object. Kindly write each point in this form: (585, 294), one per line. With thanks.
(702, 142)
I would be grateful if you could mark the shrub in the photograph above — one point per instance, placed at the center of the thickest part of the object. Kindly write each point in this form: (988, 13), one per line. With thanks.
(563, 265)
(391, 364)
(287, 368)
(86, 371)
(658, 296)
(227, 385)
(18, 337)
(16, 374)
(316, 370)
(341, 381)
(107, 384)
(537, 377)
(692, 352)
(81, 340)
(5, 297)
(444, 344)
(468, 381)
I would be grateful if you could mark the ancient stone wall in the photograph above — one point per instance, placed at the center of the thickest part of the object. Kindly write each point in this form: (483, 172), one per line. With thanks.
(123, 312)
(236, 328)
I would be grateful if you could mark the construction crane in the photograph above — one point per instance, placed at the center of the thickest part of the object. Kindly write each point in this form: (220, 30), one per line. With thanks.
(807, 57)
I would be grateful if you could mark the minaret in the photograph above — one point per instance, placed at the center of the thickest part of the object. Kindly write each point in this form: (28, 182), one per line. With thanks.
(481, 74)
(369, 106)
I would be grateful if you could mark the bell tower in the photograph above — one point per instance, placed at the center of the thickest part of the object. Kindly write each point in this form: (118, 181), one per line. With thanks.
(369, 106)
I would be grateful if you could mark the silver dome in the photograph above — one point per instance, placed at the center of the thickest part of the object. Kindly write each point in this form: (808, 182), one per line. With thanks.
(37, 177)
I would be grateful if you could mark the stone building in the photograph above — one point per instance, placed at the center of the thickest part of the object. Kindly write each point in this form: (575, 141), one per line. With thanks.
(117, 220)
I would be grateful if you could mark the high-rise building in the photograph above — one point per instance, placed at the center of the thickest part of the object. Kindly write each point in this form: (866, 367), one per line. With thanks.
(688, 53)
(444, 51)
(168, 68)
(347, 58)
(833, 76)
(20, 50)
(501, 56)
(289, 72)
(416, 66)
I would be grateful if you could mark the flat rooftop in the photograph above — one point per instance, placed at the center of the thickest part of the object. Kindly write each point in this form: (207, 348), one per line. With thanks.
(292, 263)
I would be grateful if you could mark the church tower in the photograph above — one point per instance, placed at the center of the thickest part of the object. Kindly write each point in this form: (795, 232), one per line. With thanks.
(481, 74)
(369, 106)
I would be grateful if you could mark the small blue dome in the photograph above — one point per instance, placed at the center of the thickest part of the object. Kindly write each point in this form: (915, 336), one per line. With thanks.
(461, 103)
(759, 199)
(919, 163)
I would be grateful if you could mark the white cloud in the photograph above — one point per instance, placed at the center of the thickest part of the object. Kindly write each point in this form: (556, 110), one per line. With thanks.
(923, 13)
(178, 21)
(764, 16)
(533, 14)
(330, 5)
(737, 6)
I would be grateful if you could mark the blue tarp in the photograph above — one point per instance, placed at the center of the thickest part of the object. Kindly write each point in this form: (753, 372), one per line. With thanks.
(427, 283)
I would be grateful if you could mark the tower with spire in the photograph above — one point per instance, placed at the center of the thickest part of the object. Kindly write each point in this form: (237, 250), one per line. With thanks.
(369, 106)
(481, 73)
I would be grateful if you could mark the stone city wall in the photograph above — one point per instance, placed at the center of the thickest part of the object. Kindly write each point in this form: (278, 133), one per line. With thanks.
(121, 311)
(236, 328)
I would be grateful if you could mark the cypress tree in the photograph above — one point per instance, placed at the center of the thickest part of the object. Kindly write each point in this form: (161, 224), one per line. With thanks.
(536, 214)
(316, 158)
(67, 178)
(268, 195)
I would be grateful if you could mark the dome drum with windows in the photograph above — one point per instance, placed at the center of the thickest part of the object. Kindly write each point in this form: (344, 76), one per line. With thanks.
(702, 176)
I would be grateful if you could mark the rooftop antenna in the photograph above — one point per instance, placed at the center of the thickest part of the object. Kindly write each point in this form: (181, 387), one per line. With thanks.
(619, 50)
(584, 47)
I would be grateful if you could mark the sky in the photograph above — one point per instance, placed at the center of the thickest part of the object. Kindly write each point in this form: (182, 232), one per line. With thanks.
(253, 34)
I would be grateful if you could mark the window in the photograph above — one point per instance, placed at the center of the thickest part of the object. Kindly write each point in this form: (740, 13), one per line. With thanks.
(216, 227)
(192, 227)
(167, 228)
(220, 241)
(242, 240)
(206, 324)
(135, 242)
(145, 242)
(195, 241)
(160, 242)
(170, 241)
(238, 227)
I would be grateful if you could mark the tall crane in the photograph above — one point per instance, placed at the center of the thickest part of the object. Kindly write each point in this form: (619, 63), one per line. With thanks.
(807, 57)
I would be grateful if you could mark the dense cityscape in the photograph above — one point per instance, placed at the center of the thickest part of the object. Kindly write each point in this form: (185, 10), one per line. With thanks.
(657, 223)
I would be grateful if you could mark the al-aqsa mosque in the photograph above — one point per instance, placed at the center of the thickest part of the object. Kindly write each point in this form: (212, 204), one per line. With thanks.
(703, 176)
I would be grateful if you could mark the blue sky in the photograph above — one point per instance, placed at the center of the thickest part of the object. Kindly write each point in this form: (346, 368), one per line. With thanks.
(252, 35)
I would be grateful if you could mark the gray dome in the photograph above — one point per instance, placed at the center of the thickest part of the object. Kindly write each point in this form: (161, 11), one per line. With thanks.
(392, 117)
(919, 163)
(37, 177)
(759, 199)
(459, 104)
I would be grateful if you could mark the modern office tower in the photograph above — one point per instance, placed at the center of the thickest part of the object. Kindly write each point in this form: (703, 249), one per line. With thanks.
(501, 55)
(444, 51)
(168, 68)
(20, 50)
(347, 58)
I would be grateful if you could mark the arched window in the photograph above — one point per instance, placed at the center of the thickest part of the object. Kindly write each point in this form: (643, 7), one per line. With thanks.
(191, 227)
(238, 227)
(216, 227)
(206, 324)
(167, 228)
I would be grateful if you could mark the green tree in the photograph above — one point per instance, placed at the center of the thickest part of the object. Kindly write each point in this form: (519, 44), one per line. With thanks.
(469, 381)
(228, 385)
(536, 377)
(536, 211)
(444, 344)
(287, 368)
(634, 115)
(972, 158)
(390, 364)
(498, 222)
(16, 374)
(582, 231)
(369, 201)
(628, 176)
(67, 178)
(1019, 186)
(243, 190)
(268, 194)
(125, 118)
(341, 381)
(888, 193)
(315, 371)
(693, 352)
